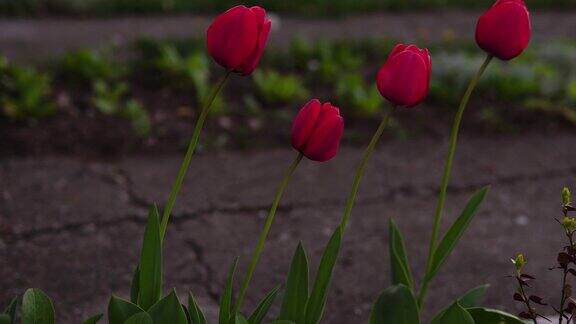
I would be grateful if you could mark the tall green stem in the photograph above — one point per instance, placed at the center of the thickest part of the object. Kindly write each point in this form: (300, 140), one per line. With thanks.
(264, 234)
(446, 175)
(189, 153)
(362, 168)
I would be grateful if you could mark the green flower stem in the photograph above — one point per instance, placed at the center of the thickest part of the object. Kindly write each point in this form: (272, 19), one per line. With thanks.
(189, 153)
(362, 168)
(265, 231)
(446, 176)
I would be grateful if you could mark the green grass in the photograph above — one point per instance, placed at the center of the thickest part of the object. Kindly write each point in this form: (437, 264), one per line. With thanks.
(298, 7)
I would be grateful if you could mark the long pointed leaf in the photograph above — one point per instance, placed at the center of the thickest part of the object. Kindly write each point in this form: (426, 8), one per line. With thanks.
(139, 318)
(226, 301)
(135, 286)
(263, 307)
(491, 316)
(319, 294)
(119, 310)
(168, 310)
(151, 262)
(11, 310)
(455, 314)
(453, 234)
(395, 305)
(473, 297)
(94, 319)
(196, 314)
(37, 307)
(296, 293)
(5, 319)
(240, 319)
(400, 267)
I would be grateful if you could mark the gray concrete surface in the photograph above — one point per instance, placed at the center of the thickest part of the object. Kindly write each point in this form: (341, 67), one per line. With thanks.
(22, 39)
(73, 227)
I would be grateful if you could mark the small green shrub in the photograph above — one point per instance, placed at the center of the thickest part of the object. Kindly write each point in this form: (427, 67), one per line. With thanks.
(110, 99)
(276, 88)
(190, 72)
(84, 66)
(24, 92)
(360, 98)
(328, 60)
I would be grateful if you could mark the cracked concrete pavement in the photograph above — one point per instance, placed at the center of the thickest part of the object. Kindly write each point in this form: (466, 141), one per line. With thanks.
(73, 227)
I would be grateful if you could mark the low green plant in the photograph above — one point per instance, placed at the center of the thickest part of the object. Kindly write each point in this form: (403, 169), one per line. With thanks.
(360, 98)
(24, 92)
(35, 307)
(111, 99)
(276, 88)
(185, 72)
(83, 67)
(323, 61)
(565, 306)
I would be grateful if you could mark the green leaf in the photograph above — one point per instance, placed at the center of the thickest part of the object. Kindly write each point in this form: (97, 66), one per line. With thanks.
(151, 262)
(317, 300)
(226, 301)
(37, 308)
(139, 318)
(240, 319)
(11, 310)
(454, 314)
(168, 310)
(135, 286)
(5, 319)
(119, 310)
(94, 319)
(474, 297)
(258, 316)
(296, 294)
(492, 316)
(283, 322)
(196, 315)
(395, 305)
(401, 273)
(451, 238)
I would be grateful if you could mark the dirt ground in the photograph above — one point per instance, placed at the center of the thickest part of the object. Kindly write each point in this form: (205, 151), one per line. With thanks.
(73, 227)
(22, 39)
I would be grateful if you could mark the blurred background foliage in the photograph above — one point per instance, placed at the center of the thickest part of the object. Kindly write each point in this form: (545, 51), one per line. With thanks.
(299, 7)
(161, 81)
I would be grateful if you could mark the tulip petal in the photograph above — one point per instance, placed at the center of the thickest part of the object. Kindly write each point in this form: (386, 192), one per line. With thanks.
(257, 55)
(233, 36)
(504, 30)
(404, 79)
(399, 48)
(304, 123)
(324, 142)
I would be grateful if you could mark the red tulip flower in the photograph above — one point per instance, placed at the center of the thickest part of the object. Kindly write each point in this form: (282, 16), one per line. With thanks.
(317, 130)
(405, 77)
(504, 30)
(236, 39)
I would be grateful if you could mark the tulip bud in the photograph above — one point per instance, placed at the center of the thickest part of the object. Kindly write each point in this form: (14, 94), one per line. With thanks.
(317, 130)
(504, 30)
(405, 77)
(236, 38)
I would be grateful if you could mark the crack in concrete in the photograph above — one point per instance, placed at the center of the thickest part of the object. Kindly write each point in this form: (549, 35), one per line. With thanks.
(119, 177)
(416, 192)
(206, 284)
